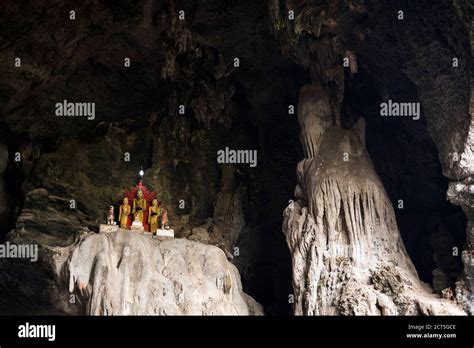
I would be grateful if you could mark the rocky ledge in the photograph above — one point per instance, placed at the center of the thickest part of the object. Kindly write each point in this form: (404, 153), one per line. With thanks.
(129, 273)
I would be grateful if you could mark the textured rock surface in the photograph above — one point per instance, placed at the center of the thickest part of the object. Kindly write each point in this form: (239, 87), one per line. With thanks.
(190, 63)
(396, 59)
(173, 63)
(129, 273)
(3, 194)
(348, 256)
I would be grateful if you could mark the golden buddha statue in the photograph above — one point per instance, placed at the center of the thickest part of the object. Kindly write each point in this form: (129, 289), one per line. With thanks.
(124, 212)
(139, 206)
(153, 213)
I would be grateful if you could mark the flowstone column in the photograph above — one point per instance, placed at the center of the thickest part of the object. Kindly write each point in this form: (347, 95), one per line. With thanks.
(347, 254)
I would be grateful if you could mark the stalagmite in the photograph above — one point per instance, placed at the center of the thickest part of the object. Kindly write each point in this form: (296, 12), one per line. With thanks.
(347, 254)
(313, 101)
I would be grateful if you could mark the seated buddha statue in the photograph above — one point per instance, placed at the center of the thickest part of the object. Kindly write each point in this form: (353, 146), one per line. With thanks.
(153, 214)
(139, 205)
(124, 212)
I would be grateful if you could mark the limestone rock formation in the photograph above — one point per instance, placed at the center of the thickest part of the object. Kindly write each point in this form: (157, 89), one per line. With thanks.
(347, 254)
(349, 55)
(313, 101)
(172, 62)
(129, 273)
(380, 63)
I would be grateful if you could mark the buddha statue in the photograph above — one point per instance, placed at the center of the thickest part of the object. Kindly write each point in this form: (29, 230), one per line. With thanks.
(124, 212)
(153, 214)
(139, 206)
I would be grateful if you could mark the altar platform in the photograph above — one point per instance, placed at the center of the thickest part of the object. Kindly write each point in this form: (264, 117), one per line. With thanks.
(160, 233)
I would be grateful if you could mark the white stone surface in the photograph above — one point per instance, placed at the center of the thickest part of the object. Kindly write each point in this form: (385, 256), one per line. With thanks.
(165, 233)
(347, 254)
(103, 228)
(130, 273)
(137, 226)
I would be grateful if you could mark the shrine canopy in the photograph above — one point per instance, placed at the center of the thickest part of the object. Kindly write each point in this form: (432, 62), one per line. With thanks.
(147, 195)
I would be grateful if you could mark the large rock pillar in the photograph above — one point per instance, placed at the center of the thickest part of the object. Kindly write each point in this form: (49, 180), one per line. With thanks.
(347, 254)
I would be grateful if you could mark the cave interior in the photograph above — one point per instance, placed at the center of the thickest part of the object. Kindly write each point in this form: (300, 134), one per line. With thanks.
(235, 207)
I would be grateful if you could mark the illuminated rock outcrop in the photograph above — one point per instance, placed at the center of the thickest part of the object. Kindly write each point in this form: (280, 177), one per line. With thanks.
(128, 273)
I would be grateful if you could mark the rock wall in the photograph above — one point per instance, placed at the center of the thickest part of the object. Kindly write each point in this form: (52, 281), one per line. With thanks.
(461, 192)
(173, 63)
(4, 206)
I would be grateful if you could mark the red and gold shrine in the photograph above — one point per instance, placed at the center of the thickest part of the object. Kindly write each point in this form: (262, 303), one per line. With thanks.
(140, 209)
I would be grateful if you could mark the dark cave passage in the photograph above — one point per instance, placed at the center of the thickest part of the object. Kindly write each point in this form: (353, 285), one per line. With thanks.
(262, 103)
(20, 155)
